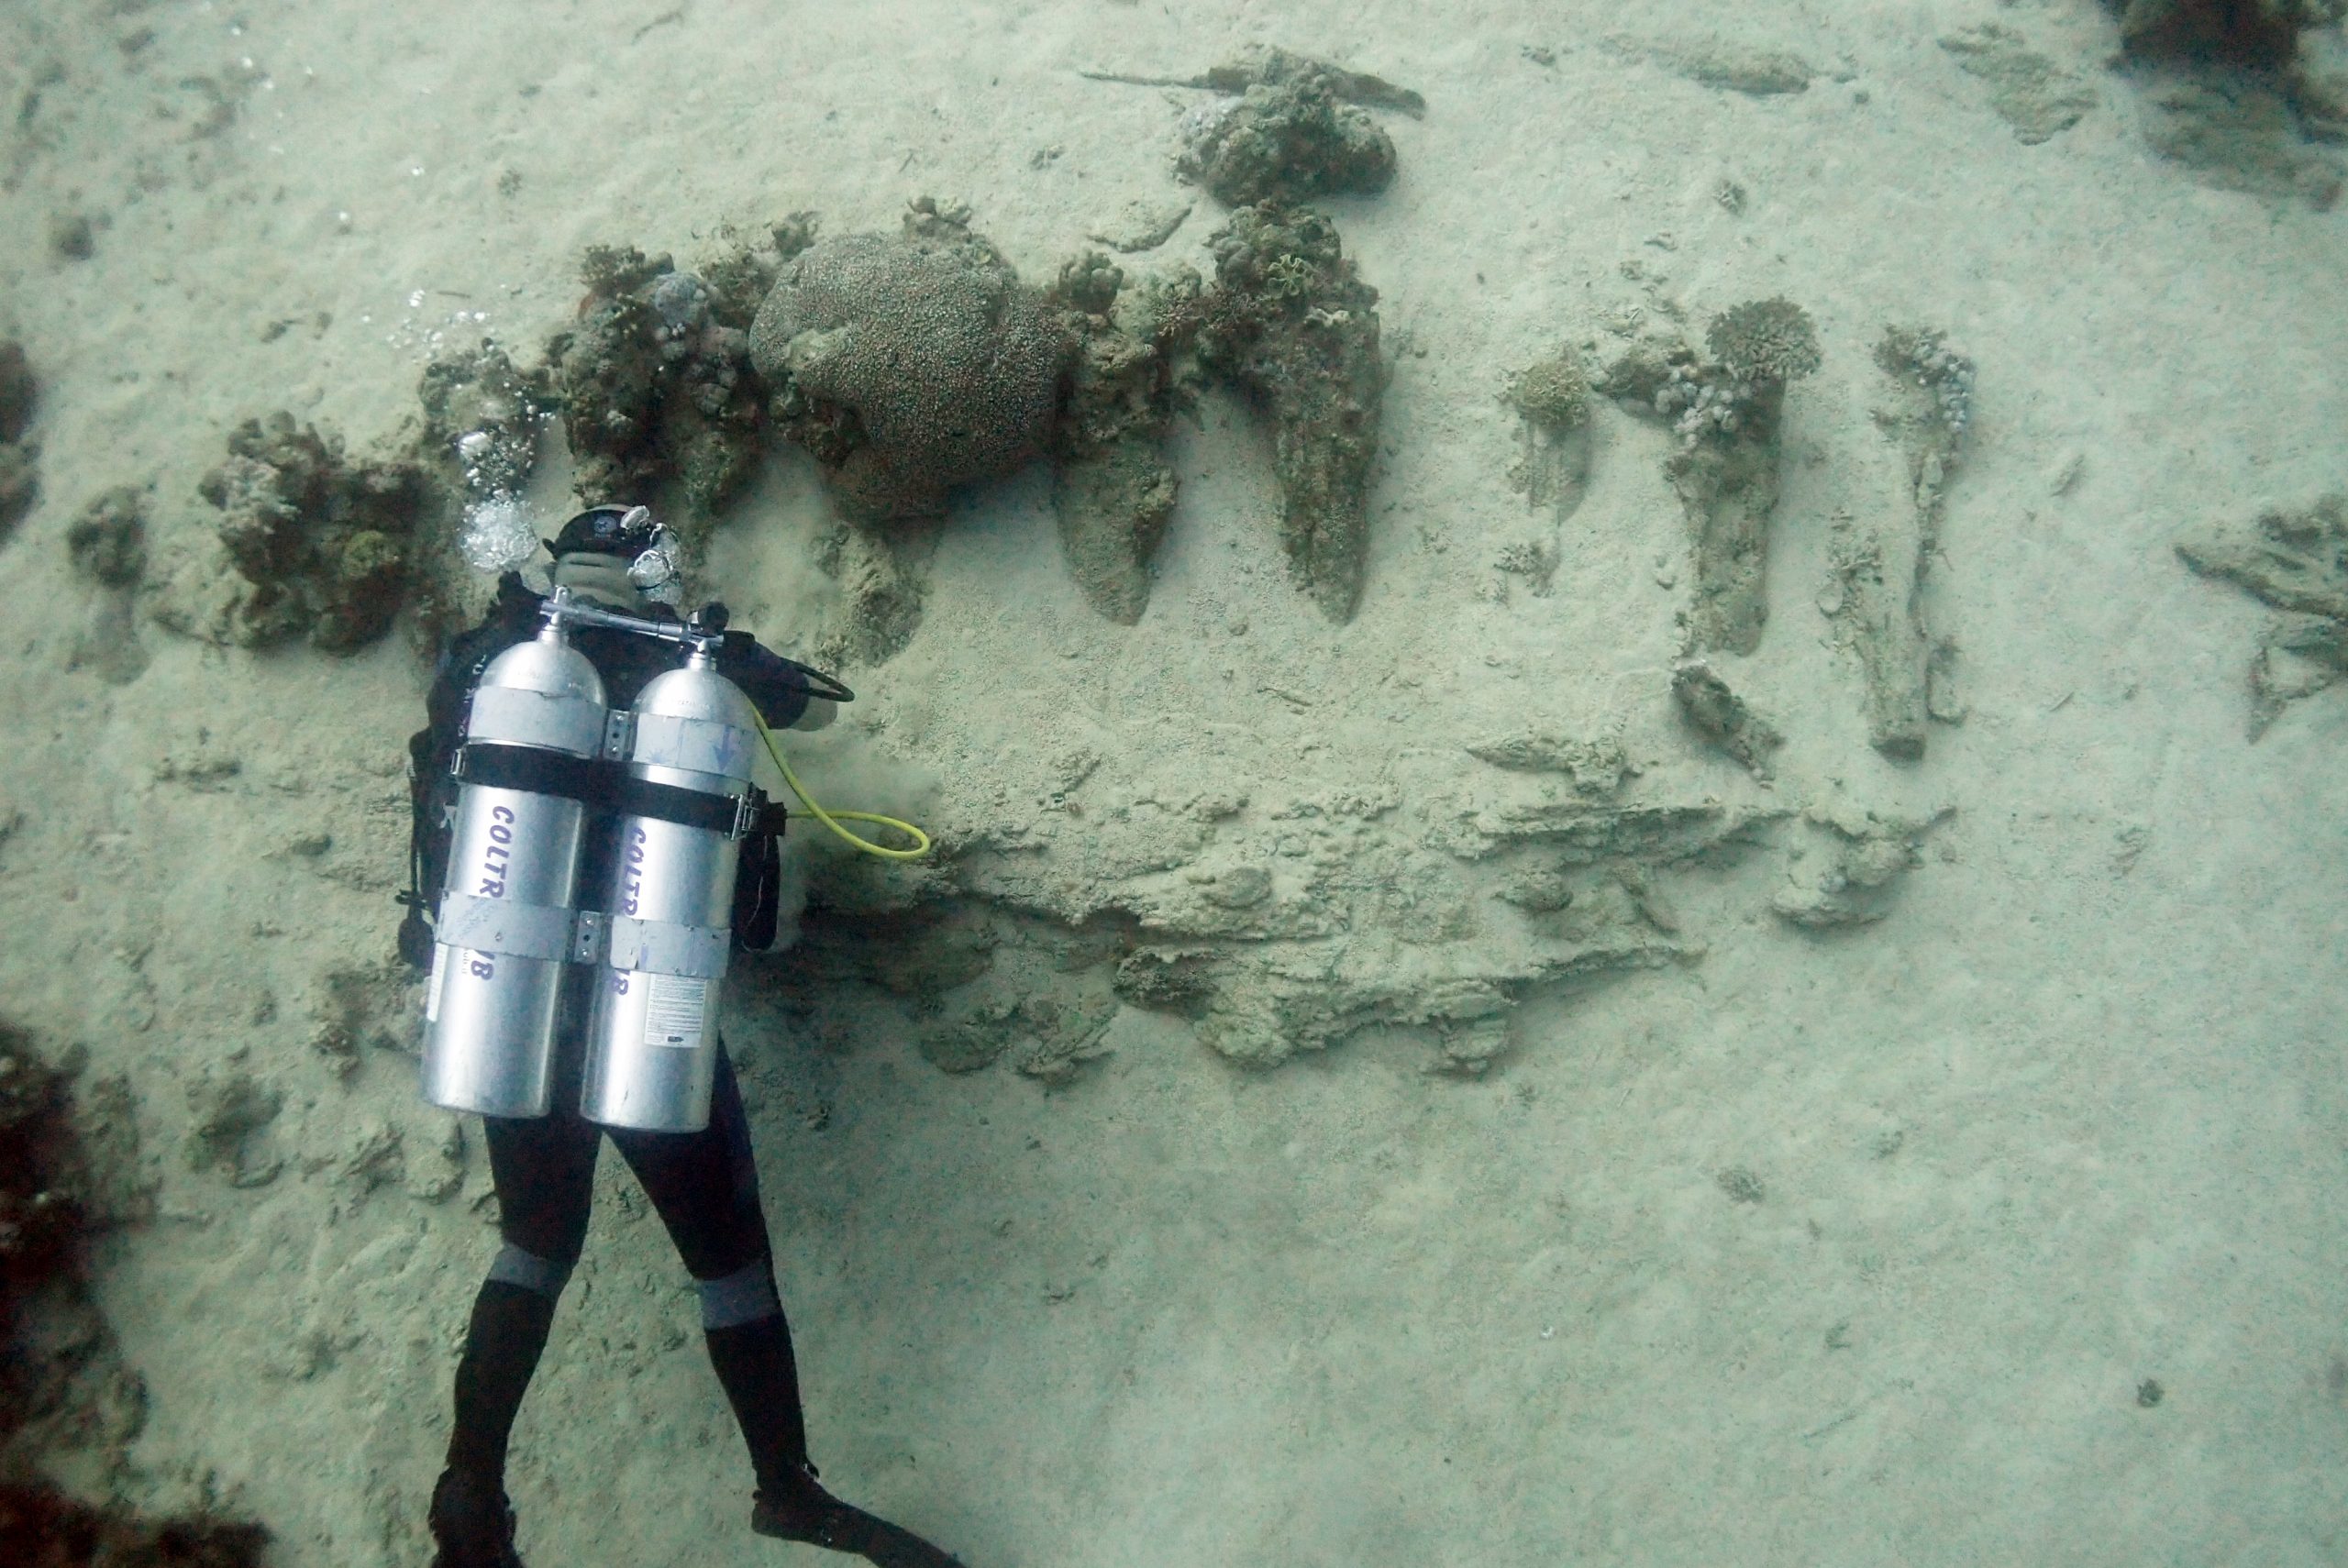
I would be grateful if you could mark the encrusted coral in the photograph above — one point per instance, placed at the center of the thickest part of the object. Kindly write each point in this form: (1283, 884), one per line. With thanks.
(1554, 391)
(1727, 412)
(1712, 710)
(1113, 488)
(655, 383)
(1553, 469)
(1757, 348)
(910, 364)
(1881, 562)
(1701, 402)
(1291, 323)
(1286, 140)
(1089, 284)
(1921, 355)
(321, 541)
(1763, 340)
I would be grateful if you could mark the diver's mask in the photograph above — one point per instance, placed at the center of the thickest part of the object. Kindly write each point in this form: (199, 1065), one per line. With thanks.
(651, 554)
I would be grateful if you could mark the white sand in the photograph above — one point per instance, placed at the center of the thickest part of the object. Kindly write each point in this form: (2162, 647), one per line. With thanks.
(2064, 1122)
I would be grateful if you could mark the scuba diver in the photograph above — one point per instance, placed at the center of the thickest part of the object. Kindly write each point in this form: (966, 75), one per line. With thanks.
(543, 1043)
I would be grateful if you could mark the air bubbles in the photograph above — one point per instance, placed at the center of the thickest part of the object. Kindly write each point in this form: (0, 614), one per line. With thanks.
(498, 534)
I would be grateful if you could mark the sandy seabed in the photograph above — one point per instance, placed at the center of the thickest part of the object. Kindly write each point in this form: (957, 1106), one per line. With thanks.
(1992, 1230)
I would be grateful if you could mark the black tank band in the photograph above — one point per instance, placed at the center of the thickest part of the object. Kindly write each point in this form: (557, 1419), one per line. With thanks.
(603, 786)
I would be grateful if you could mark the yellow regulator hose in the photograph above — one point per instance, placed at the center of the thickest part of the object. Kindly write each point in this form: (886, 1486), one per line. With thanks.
(832, 820)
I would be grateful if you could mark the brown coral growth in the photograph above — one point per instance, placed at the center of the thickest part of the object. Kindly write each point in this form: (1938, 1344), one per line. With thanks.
(910, 364)
(321, 541)
(1291, 323)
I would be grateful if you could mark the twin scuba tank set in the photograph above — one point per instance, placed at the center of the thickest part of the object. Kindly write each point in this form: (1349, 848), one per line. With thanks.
(545, 762)
(673, 777)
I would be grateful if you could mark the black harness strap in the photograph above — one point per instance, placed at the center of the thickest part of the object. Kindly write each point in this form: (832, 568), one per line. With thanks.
(603, 786)
(533, 769)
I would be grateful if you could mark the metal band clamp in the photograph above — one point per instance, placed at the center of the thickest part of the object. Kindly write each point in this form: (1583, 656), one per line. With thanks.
(502, 927)
(664, 947)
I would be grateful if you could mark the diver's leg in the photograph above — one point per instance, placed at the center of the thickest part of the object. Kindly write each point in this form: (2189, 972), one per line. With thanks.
(706, 1187)
(545, 1172)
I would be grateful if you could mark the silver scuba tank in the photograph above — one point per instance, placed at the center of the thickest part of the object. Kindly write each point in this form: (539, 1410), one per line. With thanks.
(652, 1031)
(504, 929)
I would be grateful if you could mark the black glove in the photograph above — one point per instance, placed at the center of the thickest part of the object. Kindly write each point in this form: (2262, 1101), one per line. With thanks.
(779, 688)
(416, 934)
(428, 845)
(758, 890)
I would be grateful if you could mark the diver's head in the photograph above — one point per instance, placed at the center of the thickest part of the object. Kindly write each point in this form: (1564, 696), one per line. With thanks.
(616, 557)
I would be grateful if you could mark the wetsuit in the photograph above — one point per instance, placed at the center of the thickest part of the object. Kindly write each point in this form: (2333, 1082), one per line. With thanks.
(703, 1185)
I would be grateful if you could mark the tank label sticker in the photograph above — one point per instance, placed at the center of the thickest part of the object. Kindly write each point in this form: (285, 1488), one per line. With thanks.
(432, 987)
(676, 1011)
